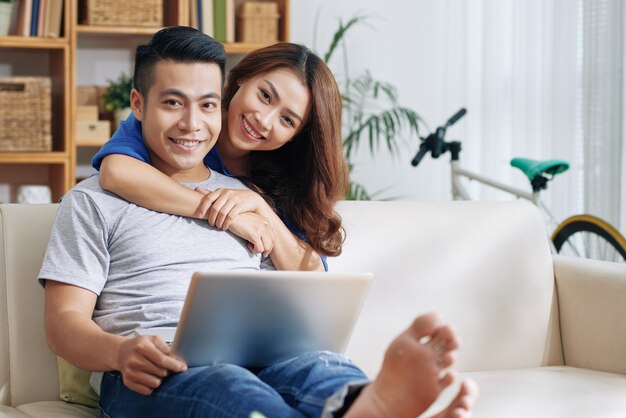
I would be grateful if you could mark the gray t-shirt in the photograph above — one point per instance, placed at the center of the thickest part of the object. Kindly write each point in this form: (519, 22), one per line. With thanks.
(139, 262)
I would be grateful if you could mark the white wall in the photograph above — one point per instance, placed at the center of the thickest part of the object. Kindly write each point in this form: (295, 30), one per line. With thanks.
(402, 44)
(423, 47)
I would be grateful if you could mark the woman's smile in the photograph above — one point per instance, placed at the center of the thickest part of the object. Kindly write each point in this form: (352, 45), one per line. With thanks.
(249, 131)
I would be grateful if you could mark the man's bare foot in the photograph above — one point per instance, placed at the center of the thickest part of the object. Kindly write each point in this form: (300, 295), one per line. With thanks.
(412, 375)
(461, 405)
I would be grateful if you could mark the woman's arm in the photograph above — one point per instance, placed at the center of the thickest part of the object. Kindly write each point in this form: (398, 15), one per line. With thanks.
(146, 186)
(290, 252)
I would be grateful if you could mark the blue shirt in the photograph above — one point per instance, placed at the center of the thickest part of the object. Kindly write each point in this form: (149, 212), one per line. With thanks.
(128, 140)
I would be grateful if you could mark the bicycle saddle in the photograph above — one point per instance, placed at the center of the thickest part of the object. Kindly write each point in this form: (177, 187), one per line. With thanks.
(534, 168)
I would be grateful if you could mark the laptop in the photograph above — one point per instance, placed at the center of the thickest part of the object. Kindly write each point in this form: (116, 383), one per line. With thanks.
(256, 318)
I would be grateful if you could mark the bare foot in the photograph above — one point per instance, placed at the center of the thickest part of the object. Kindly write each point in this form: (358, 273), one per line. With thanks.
(412, 375)
(461, 405)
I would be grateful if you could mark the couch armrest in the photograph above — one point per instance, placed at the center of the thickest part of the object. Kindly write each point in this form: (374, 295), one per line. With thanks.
(592, 307)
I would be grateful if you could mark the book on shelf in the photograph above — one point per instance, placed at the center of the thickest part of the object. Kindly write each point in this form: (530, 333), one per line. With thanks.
(41, 15)
(34, 18)
(206, 11)
(198, 13)
(193, 15)
(42, 18)
(14, 14)
(54, 19)
(230, 20)
(224, 20)
(23, 18)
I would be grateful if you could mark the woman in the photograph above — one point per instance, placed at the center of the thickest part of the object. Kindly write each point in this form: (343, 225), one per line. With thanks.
(281, 133)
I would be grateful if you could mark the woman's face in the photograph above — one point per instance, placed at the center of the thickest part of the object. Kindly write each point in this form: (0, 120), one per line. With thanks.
(267, 111)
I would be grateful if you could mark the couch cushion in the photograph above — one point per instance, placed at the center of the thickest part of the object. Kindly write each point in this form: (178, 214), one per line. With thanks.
(553, 392)
(591, 301)
(485, 266)
(10, 412)
(58, 409)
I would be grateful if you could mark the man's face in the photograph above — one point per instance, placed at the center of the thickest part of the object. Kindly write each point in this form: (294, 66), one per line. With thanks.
(181, 117)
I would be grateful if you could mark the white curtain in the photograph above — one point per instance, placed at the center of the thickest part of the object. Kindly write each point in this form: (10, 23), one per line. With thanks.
(601, 106)
(544, 81)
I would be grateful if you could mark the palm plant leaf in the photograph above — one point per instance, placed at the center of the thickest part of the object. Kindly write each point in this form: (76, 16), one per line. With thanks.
(382, 127)
(357, 192)
(340, 34)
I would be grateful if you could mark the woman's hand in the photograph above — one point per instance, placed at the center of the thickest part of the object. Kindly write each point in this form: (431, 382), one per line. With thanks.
(256, 230)
(222, 206)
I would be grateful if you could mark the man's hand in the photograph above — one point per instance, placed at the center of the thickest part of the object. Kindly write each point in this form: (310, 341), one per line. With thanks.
(144, 361)
(256, 230)
(220, 207)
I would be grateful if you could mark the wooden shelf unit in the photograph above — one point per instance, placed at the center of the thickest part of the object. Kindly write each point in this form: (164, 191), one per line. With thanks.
(59, 163)
(61, 56)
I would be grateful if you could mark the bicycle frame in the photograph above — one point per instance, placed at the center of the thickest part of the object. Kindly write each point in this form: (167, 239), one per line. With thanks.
(459, 192)
(585, 227)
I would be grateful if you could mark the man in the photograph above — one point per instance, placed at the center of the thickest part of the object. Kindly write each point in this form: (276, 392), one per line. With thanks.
(112, 267)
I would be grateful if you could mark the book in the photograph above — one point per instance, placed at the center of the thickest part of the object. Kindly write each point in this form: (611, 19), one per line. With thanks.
(13, 26)
(219, 20)
(34, 18)
(230, 20)
(199, 13)
(193, 14)
(42, 13)
(207, 17)
(24, 18)
(55, 19)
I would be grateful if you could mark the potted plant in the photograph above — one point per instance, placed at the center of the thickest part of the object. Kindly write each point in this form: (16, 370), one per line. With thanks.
(116, 97)
(6, 10)
(372, 112)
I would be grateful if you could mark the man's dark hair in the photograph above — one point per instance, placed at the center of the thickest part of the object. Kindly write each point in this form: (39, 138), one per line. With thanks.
(178, 44)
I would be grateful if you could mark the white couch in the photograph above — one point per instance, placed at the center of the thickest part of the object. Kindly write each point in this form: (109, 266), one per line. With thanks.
(543, 336)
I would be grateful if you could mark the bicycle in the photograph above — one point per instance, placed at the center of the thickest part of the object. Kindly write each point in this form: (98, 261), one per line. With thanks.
(581, 235)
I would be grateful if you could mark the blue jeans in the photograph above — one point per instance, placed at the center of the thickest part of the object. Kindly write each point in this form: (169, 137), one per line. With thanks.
(297, 387)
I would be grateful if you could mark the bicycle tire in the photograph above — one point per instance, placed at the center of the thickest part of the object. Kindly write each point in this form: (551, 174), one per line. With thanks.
(576, 234)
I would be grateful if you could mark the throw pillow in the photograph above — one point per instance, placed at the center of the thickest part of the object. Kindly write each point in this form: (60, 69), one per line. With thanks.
(74, 385)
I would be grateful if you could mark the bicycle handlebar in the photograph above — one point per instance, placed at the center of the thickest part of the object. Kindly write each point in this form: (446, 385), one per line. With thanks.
(434, 142)
(458, 115)
(420, 154)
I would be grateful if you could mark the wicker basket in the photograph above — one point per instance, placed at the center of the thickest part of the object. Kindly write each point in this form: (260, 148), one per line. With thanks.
(25, 114)
(258, 22)
(147, 13)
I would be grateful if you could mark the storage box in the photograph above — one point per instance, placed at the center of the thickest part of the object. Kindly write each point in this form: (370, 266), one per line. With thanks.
(87, 95)
(87, 112)
(258, 22)
(121, 12)
(92, 132)
(25, 114)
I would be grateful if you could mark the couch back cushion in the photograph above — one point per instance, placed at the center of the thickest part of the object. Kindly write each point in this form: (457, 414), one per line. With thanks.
(486, 267)
(32, 366)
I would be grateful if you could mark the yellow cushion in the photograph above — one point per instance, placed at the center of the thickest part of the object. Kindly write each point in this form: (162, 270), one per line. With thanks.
(74, 385)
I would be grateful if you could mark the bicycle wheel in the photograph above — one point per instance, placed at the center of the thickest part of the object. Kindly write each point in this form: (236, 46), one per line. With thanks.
(589, 237)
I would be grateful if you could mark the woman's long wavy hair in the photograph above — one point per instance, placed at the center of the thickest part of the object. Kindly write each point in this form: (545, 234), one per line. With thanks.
(305, 177)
